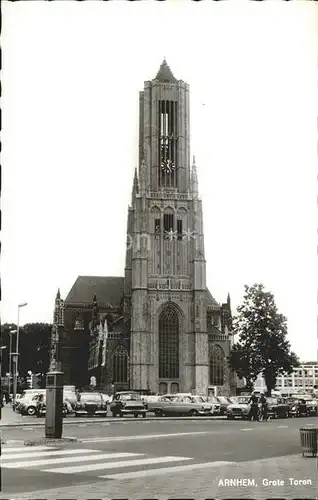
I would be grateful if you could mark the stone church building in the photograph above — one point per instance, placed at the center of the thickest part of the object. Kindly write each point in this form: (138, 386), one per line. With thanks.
(157, 328)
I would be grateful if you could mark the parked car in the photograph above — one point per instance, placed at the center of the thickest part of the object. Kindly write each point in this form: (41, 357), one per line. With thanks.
(186, 406)
(90, 404)
(224, 402)
(41, 406)
(27, 403)
(312, 407)
(239, 409)
(156, 403)
(297, 407)
(278, 407)
(128, 403)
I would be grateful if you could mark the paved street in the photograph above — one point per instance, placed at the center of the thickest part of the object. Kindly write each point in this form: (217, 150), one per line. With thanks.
(161, 459)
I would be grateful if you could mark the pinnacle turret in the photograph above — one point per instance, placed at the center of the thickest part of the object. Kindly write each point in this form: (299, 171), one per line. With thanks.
(135, 188)
(194, 178)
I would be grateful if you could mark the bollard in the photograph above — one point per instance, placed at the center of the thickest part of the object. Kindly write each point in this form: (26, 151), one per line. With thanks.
(54, 405)
(309, 440)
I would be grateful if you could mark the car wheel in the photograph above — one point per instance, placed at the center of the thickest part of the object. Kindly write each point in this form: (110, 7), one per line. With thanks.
(286, 414)
(31, 411)
(144, 415)
(193, 413)
(157, 413)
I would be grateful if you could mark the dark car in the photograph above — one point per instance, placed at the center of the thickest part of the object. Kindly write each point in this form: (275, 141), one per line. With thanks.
(224, 402)
(90, 404)
(40, 410)
(278, 407)
(128, 403)
(297, 407)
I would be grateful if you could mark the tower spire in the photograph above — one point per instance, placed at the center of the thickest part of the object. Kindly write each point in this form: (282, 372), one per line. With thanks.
(164, 73)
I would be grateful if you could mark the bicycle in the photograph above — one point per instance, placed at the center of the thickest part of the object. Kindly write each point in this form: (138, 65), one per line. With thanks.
(263, 414)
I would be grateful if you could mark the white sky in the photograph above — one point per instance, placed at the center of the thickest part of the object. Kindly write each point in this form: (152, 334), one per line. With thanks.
(72, 73)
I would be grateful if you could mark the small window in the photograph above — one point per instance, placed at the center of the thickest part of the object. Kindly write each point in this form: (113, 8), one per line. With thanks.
(167, 224)
(179, 229)
(157, 228)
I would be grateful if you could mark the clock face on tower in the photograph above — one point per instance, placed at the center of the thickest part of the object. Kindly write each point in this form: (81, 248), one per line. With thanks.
(167, 166)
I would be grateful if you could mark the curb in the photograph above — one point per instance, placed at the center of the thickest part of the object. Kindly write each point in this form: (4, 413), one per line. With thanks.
(111, 420)
(34, 442)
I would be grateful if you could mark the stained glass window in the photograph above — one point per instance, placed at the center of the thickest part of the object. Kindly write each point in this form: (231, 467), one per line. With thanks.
(120, 365)
(216, 364)
(169, 343)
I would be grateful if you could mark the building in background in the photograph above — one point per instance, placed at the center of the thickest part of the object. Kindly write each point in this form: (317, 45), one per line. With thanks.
(158, 328)
(302, 379)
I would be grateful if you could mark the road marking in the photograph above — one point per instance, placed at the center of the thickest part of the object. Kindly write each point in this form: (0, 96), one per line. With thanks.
(81, 425)
(165, 470)
(29, 454)
(24, 448)
(52, 461)
(246, 429)
(105, 423)
(282, 426)
(145, 436)
(115, 465)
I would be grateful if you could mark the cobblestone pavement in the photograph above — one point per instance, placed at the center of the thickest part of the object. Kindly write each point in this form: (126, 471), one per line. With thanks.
(205, 483)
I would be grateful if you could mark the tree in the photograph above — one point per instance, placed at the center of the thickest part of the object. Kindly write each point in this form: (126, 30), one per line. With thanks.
(35, 341)
(262, 347)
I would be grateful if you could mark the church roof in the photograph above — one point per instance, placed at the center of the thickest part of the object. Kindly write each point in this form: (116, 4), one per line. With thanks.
(210, 300)
(108, 289)
(165, 74)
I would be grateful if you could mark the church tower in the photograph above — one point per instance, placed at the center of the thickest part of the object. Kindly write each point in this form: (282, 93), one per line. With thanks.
(165, 290)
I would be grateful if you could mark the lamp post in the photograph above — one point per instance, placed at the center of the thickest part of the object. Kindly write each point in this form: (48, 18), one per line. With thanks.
(1, 349)
(10, 361)
(15, 356)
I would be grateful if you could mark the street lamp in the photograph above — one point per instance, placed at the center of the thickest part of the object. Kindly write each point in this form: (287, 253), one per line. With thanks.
(10, 360)
(15, 356)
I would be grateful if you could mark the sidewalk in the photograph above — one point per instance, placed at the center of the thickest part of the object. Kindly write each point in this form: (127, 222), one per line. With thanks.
(204, 483)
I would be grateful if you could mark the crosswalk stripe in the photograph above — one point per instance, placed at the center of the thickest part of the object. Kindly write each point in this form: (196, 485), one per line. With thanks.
(4, 450)
(115, 465)
(145, 436)
(85, 458)
(16, 456)
(165, 470)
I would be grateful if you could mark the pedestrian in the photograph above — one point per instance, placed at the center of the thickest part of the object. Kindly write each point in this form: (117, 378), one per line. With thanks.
(253, 413)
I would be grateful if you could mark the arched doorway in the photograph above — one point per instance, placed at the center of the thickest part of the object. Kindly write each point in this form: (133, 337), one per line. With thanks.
(169, 343)
(163, 388)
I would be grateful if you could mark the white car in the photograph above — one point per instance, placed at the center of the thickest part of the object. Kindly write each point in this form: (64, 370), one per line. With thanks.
(239, 409)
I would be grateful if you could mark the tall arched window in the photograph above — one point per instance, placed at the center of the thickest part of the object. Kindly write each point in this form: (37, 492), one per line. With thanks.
(169, 343)
(216, 364)
(120, 365)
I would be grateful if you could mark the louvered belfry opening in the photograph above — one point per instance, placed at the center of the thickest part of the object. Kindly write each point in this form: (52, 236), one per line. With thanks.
(120, 365)
(169, 343)
(216, 364)
(167, 172)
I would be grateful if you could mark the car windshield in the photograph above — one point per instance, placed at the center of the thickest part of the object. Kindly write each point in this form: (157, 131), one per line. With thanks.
(129, 397)
(243, 400)
(197, 399)
(212, 399)
(90, 397)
